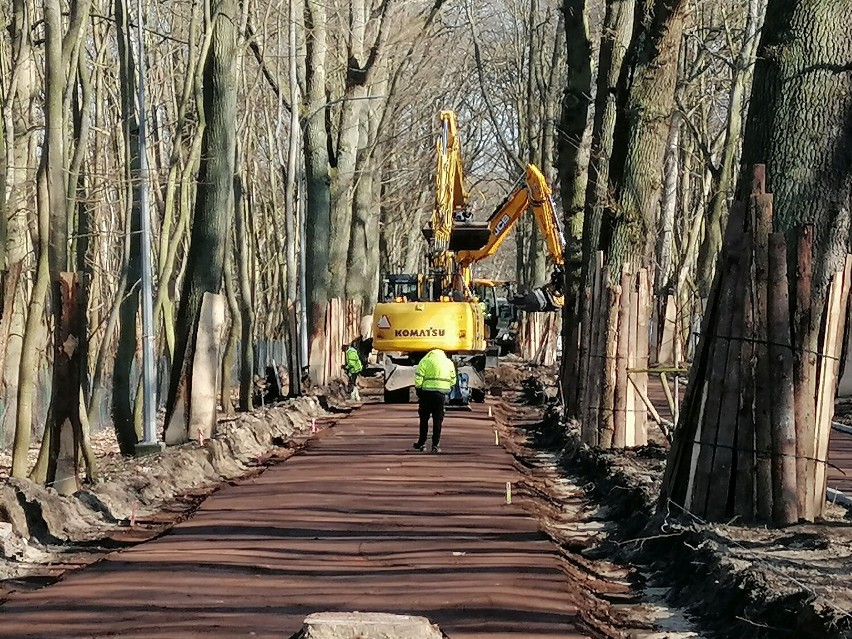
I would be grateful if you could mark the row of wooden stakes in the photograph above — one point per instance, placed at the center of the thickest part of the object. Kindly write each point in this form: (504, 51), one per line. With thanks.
(753, 438)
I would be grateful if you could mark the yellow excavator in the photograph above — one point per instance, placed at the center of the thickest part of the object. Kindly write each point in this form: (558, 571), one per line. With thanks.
(419, 312)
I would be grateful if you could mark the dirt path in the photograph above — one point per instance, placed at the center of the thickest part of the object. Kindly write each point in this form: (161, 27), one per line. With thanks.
(352, 523)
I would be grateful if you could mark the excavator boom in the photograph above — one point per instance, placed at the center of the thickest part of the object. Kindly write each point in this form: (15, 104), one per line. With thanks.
(531, 193)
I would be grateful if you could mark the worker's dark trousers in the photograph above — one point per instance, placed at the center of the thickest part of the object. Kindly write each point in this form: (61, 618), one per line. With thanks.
(353, 382)
(431, 404)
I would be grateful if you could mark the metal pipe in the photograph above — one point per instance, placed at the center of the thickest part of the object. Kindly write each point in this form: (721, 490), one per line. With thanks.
(149, 407)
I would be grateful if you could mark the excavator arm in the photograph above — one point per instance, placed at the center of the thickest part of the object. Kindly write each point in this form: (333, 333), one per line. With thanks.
(531, 193)
(450, 194)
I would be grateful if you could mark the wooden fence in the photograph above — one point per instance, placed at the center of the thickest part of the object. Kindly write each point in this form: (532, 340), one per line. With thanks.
(753, 441)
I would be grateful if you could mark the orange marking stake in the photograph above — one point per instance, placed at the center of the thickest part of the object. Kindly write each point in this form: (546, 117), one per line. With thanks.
(508, 492)
(496, 437)
(314, 426)
(489, 412)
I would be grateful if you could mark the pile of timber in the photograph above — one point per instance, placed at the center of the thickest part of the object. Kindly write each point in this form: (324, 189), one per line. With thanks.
(342, 326)
(614, 358)
(538, 334)
(752, 440)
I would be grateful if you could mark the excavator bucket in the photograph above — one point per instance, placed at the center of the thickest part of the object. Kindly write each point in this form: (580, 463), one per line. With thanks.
(469, 236)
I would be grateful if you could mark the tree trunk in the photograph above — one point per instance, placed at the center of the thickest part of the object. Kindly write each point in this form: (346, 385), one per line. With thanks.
(245, 298)
(123, 392)
(33, 334)
(215, 198)
(318, 217)
(724, 192)
(803, 69)
(610, 97)
(69, 357)
(234, 330)
(573, 179)
(292, 237)
(644, 124)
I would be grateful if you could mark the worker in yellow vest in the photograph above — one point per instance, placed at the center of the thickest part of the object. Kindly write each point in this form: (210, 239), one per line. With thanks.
(434, 378)
(353, 368)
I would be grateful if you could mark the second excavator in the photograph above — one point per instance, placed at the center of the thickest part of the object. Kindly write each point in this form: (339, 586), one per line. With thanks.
(439, 309)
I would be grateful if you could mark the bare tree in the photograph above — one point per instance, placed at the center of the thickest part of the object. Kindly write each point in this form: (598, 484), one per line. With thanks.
(215, 199)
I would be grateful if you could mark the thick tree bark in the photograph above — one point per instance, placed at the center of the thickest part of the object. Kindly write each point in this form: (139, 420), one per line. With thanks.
(318, 217)
(345, 159)
(215, 198)
(803, 70)
(123, 393)
(573, 179)
(610, 97)
(292, 237)
(246, 304)
(644, 124)
(724, 191)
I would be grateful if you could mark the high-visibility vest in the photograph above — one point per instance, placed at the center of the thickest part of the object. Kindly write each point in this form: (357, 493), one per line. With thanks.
(435, 372)
(353, 361)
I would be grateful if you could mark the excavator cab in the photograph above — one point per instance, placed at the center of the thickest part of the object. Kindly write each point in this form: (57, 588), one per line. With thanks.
(502, 316)
(410, 287)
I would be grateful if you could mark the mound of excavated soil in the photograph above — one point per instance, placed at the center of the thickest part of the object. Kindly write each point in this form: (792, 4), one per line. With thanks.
(510, 373)
(38, 527)
(740, 581)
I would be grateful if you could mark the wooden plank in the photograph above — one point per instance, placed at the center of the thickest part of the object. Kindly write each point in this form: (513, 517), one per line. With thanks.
(715, 384)
(622, 338)
(723, 472)
(594, 388)
(607, 430)
(761, 210)
(804, 375)
(633, 401)
(783, 408)
(642, 346)
(828, 391)
(827, 348)
(679, 473)
(669, 330)
(704, 391)
(667, 391)
(744, 495)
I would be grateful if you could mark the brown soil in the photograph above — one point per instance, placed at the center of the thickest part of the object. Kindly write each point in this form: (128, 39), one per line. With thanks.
(43, 534)
(739, 581)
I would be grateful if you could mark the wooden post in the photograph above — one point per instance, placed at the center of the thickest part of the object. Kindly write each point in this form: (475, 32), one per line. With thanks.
(586, 329)
(610, 343)
(710, 415)
(761, 211)
(643, 354)
(784, 501)
(66, 430)
(591, 398)
(729, 405)
(744, 497)
(622, 339)
(804, 375)
(669, 330)
(633, 402)
(827, 383)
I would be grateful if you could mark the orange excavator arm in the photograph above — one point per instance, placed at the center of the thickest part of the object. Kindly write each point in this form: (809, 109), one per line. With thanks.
(531, 193)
